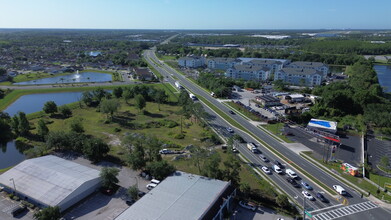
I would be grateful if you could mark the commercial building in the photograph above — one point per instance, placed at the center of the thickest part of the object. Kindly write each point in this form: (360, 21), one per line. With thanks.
(183, 196)
(191, 61)
(295, 98)
(299, 77)
(323, 125)
(143, 74)
(268, 100)
(51, 181)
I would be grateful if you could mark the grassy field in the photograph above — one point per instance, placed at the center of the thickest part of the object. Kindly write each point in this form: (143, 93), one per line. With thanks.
(276, 129)
(165, 57)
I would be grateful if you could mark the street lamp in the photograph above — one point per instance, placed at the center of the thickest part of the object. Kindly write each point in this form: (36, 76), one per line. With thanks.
(13, 181)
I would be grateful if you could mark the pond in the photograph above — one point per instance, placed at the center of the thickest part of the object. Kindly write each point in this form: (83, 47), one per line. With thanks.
(85, 77)
(384, 76)
(34, 102)
(10, 155)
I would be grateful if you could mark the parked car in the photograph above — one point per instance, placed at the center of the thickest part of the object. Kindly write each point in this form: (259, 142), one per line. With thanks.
(234, 150)
(322, 198)
(151, 186)
(266, 170)
(248, 205)
(307, 195)
(164, 151)
(130, 202)
(306, 185)
(141, 194)
(230, 130)
(293, 182)
(263, 158)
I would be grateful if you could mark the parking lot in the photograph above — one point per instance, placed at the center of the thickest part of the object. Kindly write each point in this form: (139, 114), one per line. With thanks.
(261, 213)
(245, 97)
(6, 204)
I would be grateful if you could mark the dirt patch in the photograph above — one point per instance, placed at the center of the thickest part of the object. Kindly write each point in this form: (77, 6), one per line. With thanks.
(114, 139)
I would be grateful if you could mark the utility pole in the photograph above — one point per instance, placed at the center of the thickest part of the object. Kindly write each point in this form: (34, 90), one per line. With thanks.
(304, 208)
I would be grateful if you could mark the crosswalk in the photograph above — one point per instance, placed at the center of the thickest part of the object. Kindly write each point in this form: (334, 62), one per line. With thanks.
(344, 211)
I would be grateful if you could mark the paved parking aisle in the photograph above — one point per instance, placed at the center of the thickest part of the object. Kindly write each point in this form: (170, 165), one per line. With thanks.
(6, 205)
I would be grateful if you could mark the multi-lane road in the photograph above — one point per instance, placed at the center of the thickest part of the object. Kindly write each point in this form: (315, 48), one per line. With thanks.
(332, 210)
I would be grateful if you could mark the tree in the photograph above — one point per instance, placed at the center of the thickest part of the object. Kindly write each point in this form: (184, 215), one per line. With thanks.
(95, 149)
(76, 126)
(109, 106)
(5, 128)
(15, 124)
(133, 192)
(86, 97)
(282, 201)
(48, 213)
(184, 98)
(245, 190)
(198, 156)
(128, 94)
(160, 96)
(231, 170)
(65, 111)
(385, 161)
(136, 159)
(43, 130)
(24, 125)
(109, 177)
(50, 107)
(140, 102)
(212, 169)
(160, 169)
(117, 92)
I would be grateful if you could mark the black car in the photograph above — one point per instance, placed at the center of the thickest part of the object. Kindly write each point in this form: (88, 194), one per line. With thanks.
(293, 182)
(231, 112)
(322, 198)
(130, 202)
(276, 162)
(141, 194)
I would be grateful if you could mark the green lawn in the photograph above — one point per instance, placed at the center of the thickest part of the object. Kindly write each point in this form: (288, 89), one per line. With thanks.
(165, 57)
(276, 129)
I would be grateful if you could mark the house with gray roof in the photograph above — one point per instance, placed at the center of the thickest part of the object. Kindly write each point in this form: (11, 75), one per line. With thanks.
(299, 77)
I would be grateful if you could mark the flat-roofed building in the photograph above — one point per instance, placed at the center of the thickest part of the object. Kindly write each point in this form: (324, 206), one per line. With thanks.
(183, 196)
(268, 100)
(51, 181)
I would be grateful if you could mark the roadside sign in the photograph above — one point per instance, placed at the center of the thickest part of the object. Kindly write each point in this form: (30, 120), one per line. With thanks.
(387, 185)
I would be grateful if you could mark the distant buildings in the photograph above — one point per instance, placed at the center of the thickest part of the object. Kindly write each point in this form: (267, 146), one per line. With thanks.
(298, 73)
(51, 181)
(191, 61)
(183, 196)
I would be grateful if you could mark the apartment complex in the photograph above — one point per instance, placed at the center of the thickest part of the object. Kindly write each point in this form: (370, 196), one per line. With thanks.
(248, 72)
(191, 61)
(299, 77)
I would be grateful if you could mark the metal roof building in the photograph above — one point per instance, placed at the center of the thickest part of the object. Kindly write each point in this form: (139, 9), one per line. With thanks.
(182, 196)
(329, 126)
(51, 181)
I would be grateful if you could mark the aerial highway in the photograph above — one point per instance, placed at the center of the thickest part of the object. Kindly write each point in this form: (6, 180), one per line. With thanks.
(356, 206)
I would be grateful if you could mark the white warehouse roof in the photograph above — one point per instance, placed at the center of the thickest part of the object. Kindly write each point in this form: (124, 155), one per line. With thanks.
(323, 124)
(49, 180)
(181, 196)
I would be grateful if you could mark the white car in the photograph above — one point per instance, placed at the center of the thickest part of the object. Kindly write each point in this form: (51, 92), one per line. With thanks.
(307, 195)
(248, 205)
(277, 169)
(266, 170)
(339, 189)
(230, 130)
(151, 186)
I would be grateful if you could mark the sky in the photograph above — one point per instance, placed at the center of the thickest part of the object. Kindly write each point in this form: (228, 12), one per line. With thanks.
(196, 14)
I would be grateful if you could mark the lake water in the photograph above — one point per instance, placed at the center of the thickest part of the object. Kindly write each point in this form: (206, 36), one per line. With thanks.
(34, 102)
(10, 155)
(384, 76)
(84, 77)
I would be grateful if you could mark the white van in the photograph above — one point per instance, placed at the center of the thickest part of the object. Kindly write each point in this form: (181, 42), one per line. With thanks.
(277, 169)
(155, 181)
(291, 173)
(339, 189)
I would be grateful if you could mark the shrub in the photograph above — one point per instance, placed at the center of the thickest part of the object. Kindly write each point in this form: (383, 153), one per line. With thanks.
(179, 136)
(117, 129)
